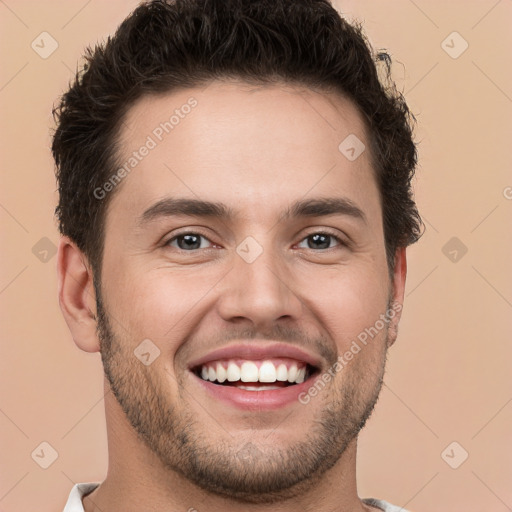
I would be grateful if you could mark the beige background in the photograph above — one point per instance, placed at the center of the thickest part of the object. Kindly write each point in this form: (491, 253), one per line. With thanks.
(448, 376)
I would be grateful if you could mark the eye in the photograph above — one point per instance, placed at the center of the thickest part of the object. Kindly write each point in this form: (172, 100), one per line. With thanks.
(320, 240)
(191, 241)
(187, 241)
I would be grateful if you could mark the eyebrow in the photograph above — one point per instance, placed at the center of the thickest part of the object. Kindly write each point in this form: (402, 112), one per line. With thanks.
(314, 207)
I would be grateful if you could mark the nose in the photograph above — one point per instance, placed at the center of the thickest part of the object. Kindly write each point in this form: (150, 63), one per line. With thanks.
(261, 291)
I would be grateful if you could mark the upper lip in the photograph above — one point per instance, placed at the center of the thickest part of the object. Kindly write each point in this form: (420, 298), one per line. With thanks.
(254, 350)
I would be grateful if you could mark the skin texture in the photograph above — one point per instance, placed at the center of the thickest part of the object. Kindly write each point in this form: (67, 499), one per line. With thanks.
(256, 149)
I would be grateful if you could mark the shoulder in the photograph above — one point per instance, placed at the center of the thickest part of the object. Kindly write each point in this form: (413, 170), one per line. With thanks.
(74, 503)
(383, 505)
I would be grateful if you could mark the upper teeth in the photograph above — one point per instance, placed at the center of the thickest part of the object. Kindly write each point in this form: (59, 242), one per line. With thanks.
(249, 372)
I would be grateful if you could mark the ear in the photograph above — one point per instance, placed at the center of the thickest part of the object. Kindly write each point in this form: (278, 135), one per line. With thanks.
(397, 294)
(77, 297)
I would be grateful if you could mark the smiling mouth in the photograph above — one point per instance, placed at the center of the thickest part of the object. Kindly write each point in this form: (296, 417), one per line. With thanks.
(255, 375)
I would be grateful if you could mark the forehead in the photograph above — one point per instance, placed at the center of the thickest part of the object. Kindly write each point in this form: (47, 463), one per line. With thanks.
(232, 141)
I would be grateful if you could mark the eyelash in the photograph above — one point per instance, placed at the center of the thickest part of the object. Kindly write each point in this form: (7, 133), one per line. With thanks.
(341, 242)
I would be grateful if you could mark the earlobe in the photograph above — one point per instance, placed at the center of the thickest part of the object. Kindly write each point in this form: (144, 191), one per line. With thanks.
(398, 291)
(77, 298)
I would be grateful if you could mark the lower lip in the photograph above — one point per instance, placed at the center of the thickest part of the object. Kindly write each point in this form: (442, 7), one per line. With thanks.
(256, 400)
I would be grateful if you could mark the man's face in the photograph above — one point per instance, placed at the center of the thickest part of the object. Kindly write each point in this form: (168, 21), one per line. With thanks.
(194, 284)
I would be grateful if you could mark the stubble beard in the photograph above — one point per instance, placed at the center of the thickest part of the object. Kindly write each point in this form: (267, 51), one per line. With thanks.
(238, 469)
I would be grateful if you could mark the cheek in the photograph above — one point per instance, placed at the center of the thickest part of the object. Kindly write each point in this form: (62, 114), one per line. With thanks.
(157, 304)
(348, 304)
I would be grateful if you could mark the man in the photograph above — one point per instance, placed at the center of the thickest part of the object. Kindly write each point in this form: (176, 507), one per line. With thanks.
(235, 205)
